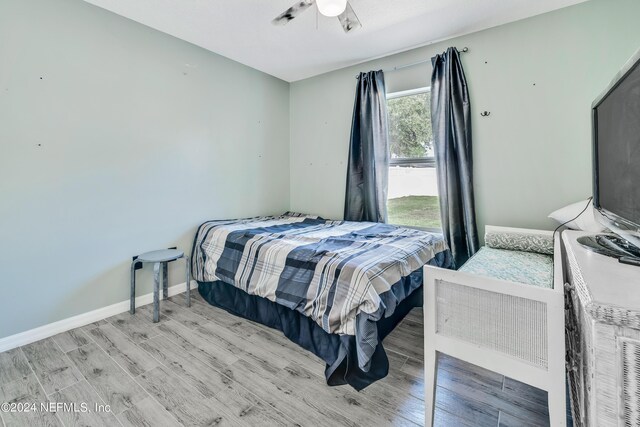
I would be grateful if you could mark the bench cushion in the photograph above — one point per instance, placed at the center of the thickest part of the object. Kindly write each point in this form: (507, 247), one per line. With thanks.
(529, 268)
(525, 240)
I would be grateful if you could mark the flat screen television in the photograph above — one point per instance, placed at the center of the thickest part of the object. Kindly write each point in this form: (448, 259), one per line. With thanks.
(616, 155)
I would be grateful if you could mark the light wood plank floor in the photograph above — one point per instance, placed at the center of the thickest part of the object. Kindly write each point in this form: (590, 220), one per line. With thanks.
(203, 366)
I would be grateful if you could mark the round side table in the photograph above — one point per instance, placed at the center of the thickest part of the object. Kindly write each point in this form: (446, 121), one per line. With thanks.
(159, 258)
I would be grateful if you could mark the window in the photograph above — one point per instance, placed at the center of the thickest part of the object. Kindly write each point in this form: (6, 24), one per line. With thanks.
(413, 186)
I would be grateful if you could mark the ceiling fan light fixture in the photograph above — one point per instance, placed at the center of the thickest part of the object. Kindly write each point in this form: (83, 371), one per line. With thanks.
(331, 7)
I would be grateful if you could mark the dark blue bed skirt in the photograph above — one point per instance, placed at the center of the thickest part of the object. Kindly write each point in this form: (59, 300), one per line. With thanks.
(338, 351)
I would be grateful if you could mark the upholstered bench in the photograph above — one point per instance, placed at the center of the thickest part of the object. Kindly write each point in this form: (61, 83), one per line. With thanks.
(502, 310)
(524, 258)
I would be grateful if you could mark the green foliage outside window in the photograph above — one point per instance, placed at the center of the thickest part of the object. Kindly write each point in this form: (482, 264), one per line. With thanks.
(410, 133)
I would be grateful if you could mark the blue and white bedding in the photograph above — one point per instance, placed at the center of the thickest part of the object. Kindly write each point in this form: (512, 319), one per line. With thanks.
(337, 273)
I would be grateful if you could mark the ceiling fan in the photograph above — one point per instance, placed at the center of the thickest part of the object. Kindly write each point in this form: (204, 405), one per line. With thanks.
(332, 8)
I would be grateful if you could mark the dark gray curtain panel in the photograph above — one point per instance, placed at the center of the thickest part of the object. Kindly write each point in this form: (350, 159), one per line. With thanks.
(451, 120)
(368, 168)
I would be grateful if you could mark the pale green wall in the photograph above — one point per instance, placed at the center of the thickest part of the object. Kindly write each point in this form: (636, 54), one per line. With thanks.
(143, 137)
(532, 155)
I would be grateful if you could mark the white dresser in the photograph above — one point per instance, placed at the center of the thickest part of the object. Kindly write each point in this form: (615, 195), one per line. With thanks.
(603, 336)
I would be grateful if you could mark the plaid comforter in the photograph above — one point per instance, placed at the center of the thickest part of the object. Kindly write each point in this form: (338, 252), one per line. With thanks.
(330, 271)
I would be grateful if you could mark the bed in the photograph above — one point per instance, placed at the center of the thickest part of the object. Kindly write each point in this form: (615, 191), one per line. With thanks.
(336, 288)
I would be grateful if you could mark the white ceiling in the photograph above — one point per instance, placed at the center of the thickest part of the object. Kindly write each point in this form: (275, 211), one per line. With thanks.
(242, 29)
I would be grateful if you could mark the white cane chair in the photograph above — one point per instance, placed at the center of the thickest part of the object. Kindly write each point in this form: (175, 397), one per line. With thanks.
(511, 328)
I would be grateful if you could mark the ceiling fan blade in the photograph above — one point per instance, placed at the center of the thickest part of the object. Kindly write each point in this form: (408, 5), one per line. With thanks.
(292, 12)
(349, 19)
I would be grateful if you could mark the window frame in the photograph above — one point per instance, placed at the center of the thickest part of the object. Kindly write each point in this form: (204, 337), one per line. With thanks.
(424, 162)
(421, 162)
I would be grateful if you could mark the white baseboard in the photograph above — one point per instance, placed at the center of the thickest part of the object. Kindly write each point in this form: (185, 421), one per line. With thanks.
(45, 331)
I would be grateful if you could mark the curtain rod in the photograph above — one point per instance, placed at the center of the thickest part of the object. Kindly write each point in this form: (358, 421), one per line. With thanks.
(400, 67)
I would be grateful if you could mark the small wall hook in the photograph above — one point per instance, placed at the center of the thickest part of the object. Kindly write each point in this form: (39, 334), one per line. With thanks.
(485, 113)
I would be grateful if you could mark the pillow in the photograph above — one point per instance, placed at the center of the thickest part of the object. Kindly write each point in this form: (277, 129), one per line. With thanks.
(585, 222)
(519, 241)
(299, 215)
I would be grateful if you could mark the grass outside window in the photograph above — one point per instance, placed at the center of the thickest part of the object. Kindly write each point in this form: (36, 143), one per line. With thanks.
(415, 211)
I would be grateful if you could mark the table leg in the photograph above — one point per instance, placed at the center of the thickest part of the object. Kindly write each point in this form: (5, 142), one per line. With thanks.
(156, 292)
(132, 304)
(165, 280)
(188, 269)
